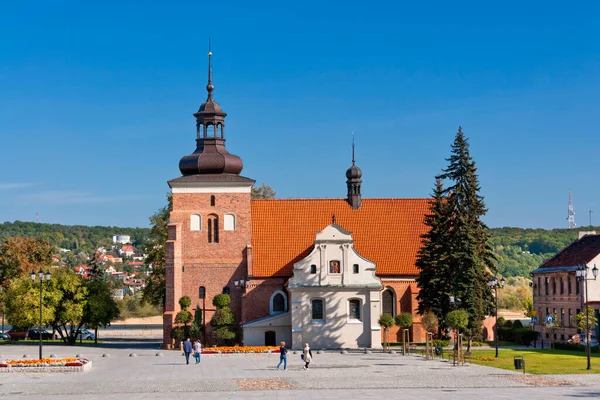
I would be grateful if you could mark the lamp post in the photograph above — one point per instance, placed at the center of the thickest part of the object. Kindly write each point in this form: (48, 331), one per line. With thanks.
(582, 275)
(41, 276)
(1, 295)
(494, 283)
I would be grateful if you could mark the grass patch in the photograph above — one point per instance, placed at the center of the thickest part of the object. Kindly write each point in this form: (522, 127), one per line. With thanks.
(539, 361)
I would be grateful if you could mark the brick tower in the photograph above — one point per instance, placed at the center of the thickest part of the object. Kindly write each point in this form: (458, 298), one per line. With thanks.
(209, 232)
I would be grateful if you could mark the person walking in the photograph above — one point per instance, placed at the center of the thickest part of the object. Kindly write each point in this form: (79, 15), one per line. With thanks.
(197, 350)
(187, 349)
(282, 356)
(307, 356)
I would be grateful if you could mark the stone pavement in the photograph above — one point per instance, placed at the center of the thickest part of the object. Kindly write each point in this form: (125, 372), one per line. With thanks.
(332, 375)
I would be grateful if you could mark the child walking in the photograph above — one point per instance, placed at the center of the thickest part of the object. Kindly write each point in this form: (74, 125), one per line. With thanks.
(282, 356)
(307, 355)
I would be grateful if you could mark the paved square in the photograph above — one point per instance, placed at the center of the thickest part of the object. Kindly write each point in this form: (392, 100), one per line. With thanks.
(241, 376)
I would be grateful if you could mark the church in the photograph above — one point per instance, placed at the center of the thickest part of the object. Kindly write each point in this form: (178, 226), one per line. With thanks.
(320, 271)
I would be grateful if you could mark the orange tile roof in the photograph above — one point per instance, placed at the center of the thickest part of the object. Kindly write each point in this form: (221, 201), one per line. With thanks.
(385, 231)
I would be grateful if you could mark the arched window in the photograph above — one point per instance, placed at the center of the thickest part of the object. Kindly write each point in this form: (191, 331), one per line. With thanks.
(229, 222)
(562, 287)
(213, 229)
(212, 201)
(354, 309)
(278, 302)
(199, 131)
(226, 290)
(195, 222)
(313, 269)
(202, 292)
(553, 285)
(220, 131)
(318, 310)
(387, 302)
(569, 285)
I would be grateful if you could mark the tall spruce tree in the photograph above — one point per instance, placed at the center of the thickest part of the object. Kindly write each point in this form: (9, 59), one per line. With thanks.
(435, 277)
(471, 258)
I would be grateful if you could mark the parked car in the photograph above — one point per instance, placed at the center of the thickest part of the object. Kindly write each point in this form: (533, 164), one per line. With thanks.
(85, 335)
(34, 333)
(4, 336)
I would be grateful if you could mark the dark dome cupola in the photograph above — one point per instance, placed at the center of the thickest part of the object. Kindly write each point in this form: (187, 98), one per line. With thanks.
(353, 182)
(210, 156)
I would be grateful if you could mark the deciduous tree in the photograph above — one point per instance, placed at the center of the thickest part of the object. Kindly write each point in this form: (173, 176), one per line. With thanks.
(263, 192)
(22, 255)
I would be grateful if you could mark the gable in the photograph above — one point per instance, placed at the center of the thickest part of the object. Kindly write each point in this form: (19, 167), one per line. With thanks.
(385, 231)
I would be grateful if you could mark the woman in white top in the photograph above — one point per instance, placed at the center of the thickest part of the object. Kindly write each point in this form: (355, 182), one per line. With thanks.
(307, 355)
(197, 350)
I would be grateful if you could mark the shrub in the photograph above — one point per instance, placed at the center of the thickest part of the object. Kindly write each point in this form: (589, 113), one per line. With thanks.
(185, 302)
(221, 300)
(441, 343)
(517, 324)
(403, 320)
(429, 321)
(574, 347)
(508, 324)
(501, 321)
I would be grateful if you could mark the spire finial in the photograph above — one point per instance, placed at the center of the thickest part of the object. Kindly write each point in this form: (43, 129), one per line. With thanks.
(352, 147)
(209, 87)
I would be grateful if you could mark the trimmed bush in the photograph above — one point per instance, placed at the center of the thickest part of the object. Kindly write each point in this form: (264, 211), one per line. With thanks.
(517, 324)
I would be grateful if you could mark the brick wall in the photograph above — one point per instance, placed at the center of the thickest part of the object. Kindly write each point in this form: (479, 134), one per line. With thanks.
(193, 262)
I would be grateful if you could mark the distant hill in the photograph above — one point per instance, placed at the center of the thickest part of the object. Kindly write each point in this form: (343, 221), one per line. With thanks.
(77, 238)
(519, 251)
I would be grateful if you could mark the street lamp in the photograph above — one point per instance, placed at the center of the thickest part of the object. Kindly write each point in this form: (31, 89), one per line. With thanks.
(494, 283)
(41, 276)
(582, 275)
(1, 293)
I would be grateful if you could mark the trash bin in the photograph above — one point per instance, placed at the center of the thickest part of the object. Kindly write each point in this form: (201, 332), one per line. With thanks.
(519, 363)
(438, 351)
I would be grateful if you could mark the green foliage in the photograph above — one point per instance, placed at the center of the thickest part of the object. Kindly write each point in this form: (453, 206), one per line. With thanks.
(223, 316)
(430, 322)
(100, 308)
(185, 302)
(155, 290)
(184, 317)
(517, 324)
(223, 319)
(22, 303)
(591, 322)
(386, 320)
(508, 323)
(457, 258)
(135, 307)
(263, 192)
(403, 320)
(77, 238)
(441, 343)
(457, 319)
(500, 321)
(221, 300)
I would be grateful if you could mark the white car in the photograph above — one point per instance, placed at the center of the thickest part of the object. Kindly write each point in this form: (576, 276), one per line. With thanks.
(84, 334)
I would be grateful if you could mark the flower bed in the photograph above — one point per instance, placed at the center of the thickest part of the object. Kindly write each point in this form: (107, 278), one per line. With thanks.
(240, 350)
(45, 365)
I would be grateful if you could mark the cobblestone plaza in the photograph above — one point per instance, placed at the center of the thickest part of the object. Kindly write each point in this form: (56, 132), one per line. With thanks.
(332, 375)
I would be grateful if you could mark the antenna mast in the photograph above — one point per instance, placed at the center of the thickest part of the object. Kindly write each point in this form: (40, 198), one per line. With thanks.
(571, 213)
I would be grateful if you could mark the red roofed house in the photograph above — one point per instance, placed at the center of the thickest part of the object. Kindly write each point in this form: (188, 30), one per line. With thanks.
(558, 292)
(300, 270)
(127, 249)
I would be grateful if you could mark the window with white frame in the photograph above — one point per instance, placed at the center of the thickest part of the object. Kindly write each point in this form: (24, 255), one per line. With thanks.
(229, 222)
(354, 309)
(195, 222)
(318, 309)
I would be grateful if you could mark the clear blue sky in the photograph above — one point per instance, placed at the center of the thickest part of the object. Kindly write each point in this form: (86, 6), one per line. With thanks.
(96, 101)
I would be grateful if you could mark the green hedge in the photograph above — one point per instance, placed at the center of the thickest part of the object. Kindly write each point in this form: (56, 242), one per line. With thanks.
(574, 347)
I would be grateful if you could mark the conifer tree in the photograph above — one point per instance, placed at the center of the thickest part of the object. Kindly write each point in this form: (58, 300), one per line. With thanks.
(470, 258)
(435, 277)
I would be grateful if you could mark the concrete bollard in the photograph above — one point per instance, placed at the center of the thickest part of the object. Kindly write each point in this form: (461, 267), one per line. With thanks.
(132, 355)
(159, 354)
(105, 355)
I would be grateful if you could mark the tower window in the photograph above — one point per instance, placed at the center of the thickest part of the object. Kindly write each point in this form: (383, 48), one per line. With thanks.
(313, 269)
(569, 285)
(229, 222)
(202, 292)
(562, 287)
(213, 229)
(212, 201)
(195, 222)
(355, 268)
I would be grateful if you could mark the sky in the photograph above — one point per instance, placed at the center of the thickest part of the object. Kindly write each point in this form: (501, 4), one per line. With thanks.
(96, 101)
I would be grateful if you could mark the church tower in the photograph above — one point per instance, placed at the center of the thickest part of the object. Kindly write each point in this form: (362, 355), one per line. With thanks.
(353, 182)
(209, 230)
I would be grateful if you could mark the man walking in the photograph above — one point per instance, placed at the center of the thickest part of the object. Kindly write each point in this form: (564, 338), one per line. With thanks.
(187, 349)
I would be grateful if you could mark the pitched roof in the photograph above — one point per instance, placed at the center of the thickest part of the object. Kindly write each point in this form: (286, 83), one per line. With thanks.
(577, 253)
(385, 231)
